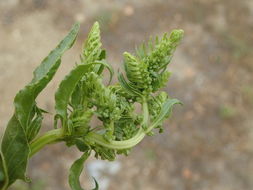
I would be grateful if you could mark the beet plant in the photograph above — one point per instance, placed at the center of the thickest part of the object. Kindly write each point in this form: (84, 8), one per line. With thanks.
(83, 95)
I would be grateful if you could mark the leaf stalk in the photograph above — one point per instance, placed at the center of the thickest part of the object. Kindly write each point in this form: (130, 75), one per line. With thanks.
(49, 137)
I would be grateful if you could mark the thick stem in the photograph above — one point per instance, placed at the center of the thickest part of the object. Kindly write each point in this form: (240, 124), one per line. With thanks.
(56, 135)
(118, 145)
(48, 138)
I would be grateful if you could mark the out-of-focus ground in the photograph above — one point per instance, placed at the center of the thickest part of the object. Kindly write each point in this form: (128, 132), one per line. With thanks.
(207, 144)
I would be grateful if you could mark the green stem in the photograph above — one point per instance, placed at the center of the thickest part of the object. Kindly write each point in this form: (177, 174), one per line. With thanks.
(56, 135)
(48, 138)
(111, 128)
(145, 114)
(118, 145)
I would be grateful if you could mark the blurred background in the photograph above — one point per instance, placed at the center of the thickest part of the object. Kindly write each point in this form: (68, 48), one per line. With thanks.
(207, 144)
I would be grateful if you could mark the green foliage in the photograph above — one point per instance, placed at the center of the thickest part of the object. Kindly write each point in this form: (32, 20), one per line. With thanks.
(146, 71)
(76, 170)
(81, 96)
(64, 92)
(25, 123)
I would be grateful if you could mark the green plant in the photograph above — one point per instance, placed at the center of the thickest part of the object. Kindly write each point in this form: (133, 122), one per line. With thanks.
(81, 96)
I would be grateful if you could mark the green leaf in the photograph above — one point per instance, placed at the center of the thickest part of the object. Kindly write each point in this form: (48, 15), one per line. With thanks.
(4, 179)
(165, 111)
(56, 54)
(102, 54)
(96, 184)
(35, 125)
(130, 89)
(22, 127)
(81, 145)
(76, 170)
(15, 149)
(65, 90)
(76, 97)
(99, 68)
(24, 100)
(104, 153)
(102, 64)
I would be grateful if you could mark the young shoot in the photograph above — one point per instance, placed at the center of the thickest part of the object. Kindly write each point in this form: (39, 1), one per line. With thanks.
(82, 96)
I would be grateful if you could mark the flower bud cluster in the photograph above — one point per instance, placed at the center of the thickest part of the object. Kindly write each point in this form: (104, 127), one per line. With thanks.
(92, 46)
(146, 71)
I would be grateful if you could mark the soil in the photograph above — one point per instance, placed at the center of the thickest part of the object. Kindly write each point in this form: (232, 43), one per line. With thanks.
(207, 144)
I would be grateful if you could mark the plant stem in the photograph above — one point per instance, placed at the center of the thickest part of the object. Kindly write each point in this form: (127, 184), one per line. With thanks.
(56, 135)
(118, 145)
(145, 114)
(48, 138)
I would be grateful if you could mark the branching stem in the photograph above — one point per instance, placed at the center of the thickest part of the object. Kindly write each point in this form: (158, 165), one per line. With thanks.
(57, 135)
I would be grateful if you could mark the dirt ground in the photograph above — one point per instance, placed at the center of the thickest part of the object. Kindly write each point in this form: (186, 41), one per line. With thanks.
(207, 144)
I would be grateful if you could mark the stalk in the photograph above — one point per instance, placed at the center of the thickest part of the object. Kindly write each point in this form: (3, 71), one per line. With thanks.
(56, 135)
(48, 138)
(126, 144)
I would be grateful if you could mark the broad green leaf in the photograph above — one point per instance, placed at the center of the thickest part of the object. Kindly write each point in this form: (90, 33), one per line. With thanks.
(15, 147)
(24, 100)
(15, 150)
(165, 111)
(4, 179)
(77, 96)
(76, 170)
(65, 90)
